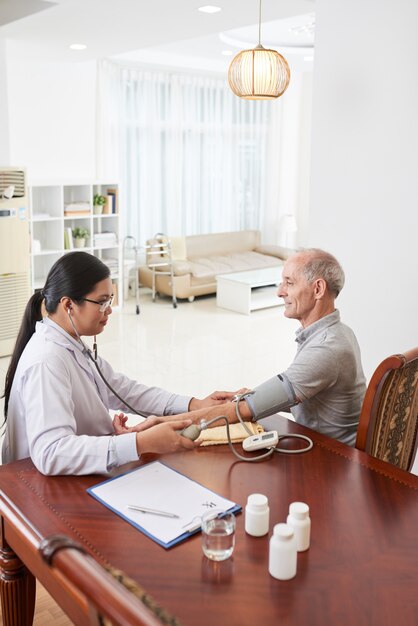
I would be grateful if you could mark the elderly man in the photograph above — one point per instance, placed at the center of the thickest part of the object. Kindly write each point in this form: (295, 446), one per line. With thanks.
(325, 385)
(326, 379)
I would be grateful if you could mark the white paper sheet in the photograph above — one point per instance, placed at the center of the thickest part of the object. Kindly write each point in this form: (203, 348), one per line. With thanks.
(157, 486)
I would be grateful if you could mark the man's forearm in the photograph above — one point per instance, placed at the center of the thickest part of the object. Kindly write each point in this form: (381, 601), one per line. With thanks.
(227, 409)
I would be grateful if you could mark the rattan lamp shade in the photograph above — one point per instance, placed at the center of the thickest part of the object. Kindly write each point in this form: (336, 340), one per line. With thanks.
(259, 74)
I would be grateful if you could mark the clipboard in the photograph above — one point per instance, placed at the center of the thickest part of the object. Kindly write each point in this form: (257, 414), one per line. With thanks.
(160, 487)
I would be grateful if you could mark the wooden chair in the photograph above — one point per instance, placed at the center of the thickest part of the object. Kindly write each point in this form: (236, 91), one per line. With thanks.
(112, 598)
(389, 415)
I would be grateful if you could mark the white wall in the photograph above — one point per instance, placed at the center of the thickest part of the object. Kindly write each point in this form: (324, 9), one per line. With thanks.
(4, 108)
(364, 174)
(294, 152)
(51, 116)
(289, 159)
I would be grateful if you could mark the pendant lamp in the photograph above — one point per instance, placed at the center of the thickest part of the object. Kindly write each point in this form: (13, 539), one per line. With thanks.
(260, 73)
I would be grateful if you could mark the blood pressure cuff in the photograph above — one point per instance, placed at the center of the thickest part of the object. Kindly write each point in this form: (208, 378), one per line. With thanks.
(275, 394)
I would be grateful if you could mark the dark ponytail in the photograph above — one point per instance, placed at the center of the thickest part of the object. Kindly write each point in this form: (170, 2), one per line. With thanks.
(31, 315)
(74, 275)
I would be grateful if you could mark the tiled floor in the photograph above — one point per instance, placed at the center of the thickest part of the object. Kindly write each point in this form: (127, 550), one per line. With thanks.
(197, 347)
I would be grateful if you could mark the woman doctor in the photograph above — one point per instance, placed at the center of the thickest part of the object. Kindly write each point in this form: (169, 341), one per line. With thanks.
(56, 402)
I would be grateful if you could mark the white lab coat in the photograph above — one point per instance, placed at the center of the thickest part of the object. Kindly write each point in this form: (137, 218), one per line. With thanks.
(58, 407)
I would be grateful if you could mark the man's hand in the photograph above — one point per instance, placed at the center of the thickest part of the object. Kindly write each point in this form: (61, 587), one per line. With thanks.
(215, 398)
(164, 438)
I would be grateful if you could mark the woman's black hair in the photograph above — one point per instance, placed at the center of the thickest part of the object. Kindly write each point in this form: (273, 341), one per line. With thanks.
(74, 275)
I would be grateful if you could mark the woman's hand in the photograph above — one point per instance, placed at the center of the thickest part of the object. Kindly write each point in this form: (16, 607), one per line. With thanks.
(164, 438)
(217, 397)
(119, 424)
(120, 428)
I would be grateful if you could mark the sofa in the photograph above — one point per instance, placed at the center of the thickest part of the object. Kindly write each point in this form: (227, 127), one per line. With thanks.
(197, 259)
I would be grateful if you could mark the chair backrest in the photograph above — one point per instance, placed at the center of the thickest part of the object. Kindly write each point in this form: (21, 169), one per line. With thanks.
(389, 415)
(113, 599)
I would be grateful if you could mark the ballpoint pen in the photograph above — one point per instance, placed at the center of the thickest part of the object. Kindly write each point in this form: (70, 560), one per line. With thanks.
(193, 525)
(144, 509)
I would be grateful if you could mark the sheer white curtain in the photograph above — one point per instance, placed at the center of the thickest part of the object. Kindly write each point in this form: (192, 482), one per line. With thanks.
(189, 155)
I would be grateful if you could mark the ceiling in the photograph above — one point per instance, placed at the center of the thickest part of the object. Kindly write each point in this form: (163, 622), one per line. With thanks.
(172, 32)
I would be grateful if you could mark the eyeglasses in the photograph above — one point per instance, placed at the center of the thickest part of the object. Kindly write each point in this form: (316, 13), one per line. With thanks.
(103, 305)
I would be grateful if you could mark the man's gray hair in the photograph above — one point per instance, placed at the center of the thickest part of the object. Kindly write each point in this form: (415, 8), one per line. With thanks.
(320, 264)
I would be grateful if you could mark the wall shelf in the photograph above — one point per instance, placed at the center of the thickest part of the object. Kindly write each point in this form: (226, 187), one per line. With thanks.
(49, 225)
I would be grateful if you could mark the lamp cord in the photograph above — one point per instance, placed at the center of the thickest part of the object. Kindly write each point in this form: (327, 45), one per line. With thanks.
(259, 24)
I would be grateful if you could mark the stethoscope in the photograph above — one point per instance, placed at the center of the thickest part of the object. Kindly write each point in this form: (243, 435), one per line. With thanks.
(94, 360)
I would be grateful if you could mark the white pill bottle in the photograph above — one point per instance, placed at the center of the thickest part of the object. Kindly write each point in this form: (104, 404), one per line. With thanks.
(300, 521)
(257, 515)
(282, 553)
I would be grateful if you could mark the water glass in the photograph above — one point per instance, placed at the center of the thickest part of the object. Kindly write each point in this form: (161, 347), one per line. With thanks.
(218, 534)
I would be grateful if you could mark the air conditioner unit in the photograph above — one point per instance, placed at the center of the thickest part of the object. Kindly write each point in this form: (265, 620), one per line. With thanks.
(14, 254)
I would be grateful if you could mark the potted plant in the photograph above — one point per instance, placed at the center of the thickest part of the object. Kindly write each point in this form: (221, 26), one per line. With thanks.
(80, 235)
(98, 203)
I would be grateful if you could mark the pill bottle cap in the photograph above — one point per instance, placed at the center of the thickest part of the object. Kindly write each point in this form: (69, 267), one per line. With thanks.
(283, 531)
(300, 510)
(257, 501)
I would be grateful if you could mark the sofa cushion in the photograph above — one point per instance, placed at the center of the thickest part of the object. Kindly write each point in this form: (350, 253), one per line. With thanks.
(180, 268)
(278, 251)
(209, 267)
(178, 248)
(216, 244)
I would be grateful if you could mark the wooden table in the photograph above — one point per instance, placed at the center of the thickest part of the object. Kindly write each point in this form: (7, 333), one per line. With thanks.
(361, 568)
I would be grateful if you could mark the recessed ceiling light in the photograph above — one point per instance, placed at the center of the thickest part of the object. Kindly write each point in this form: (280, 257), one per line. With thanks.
(227, 53)
(78, 46)
(209, 9)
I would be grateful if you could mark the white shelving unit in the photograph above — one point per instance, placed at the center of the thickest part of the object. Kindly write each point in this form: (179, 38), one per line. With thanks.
(54, 208)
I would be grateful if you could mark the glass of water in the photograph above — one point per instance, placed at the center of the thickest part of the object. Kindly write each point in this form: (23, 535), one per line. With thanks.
(218, 534)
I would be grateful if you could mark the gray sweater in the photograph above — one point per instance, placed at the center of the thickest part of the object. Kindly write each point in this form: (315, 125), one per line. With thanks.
(327, 377)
